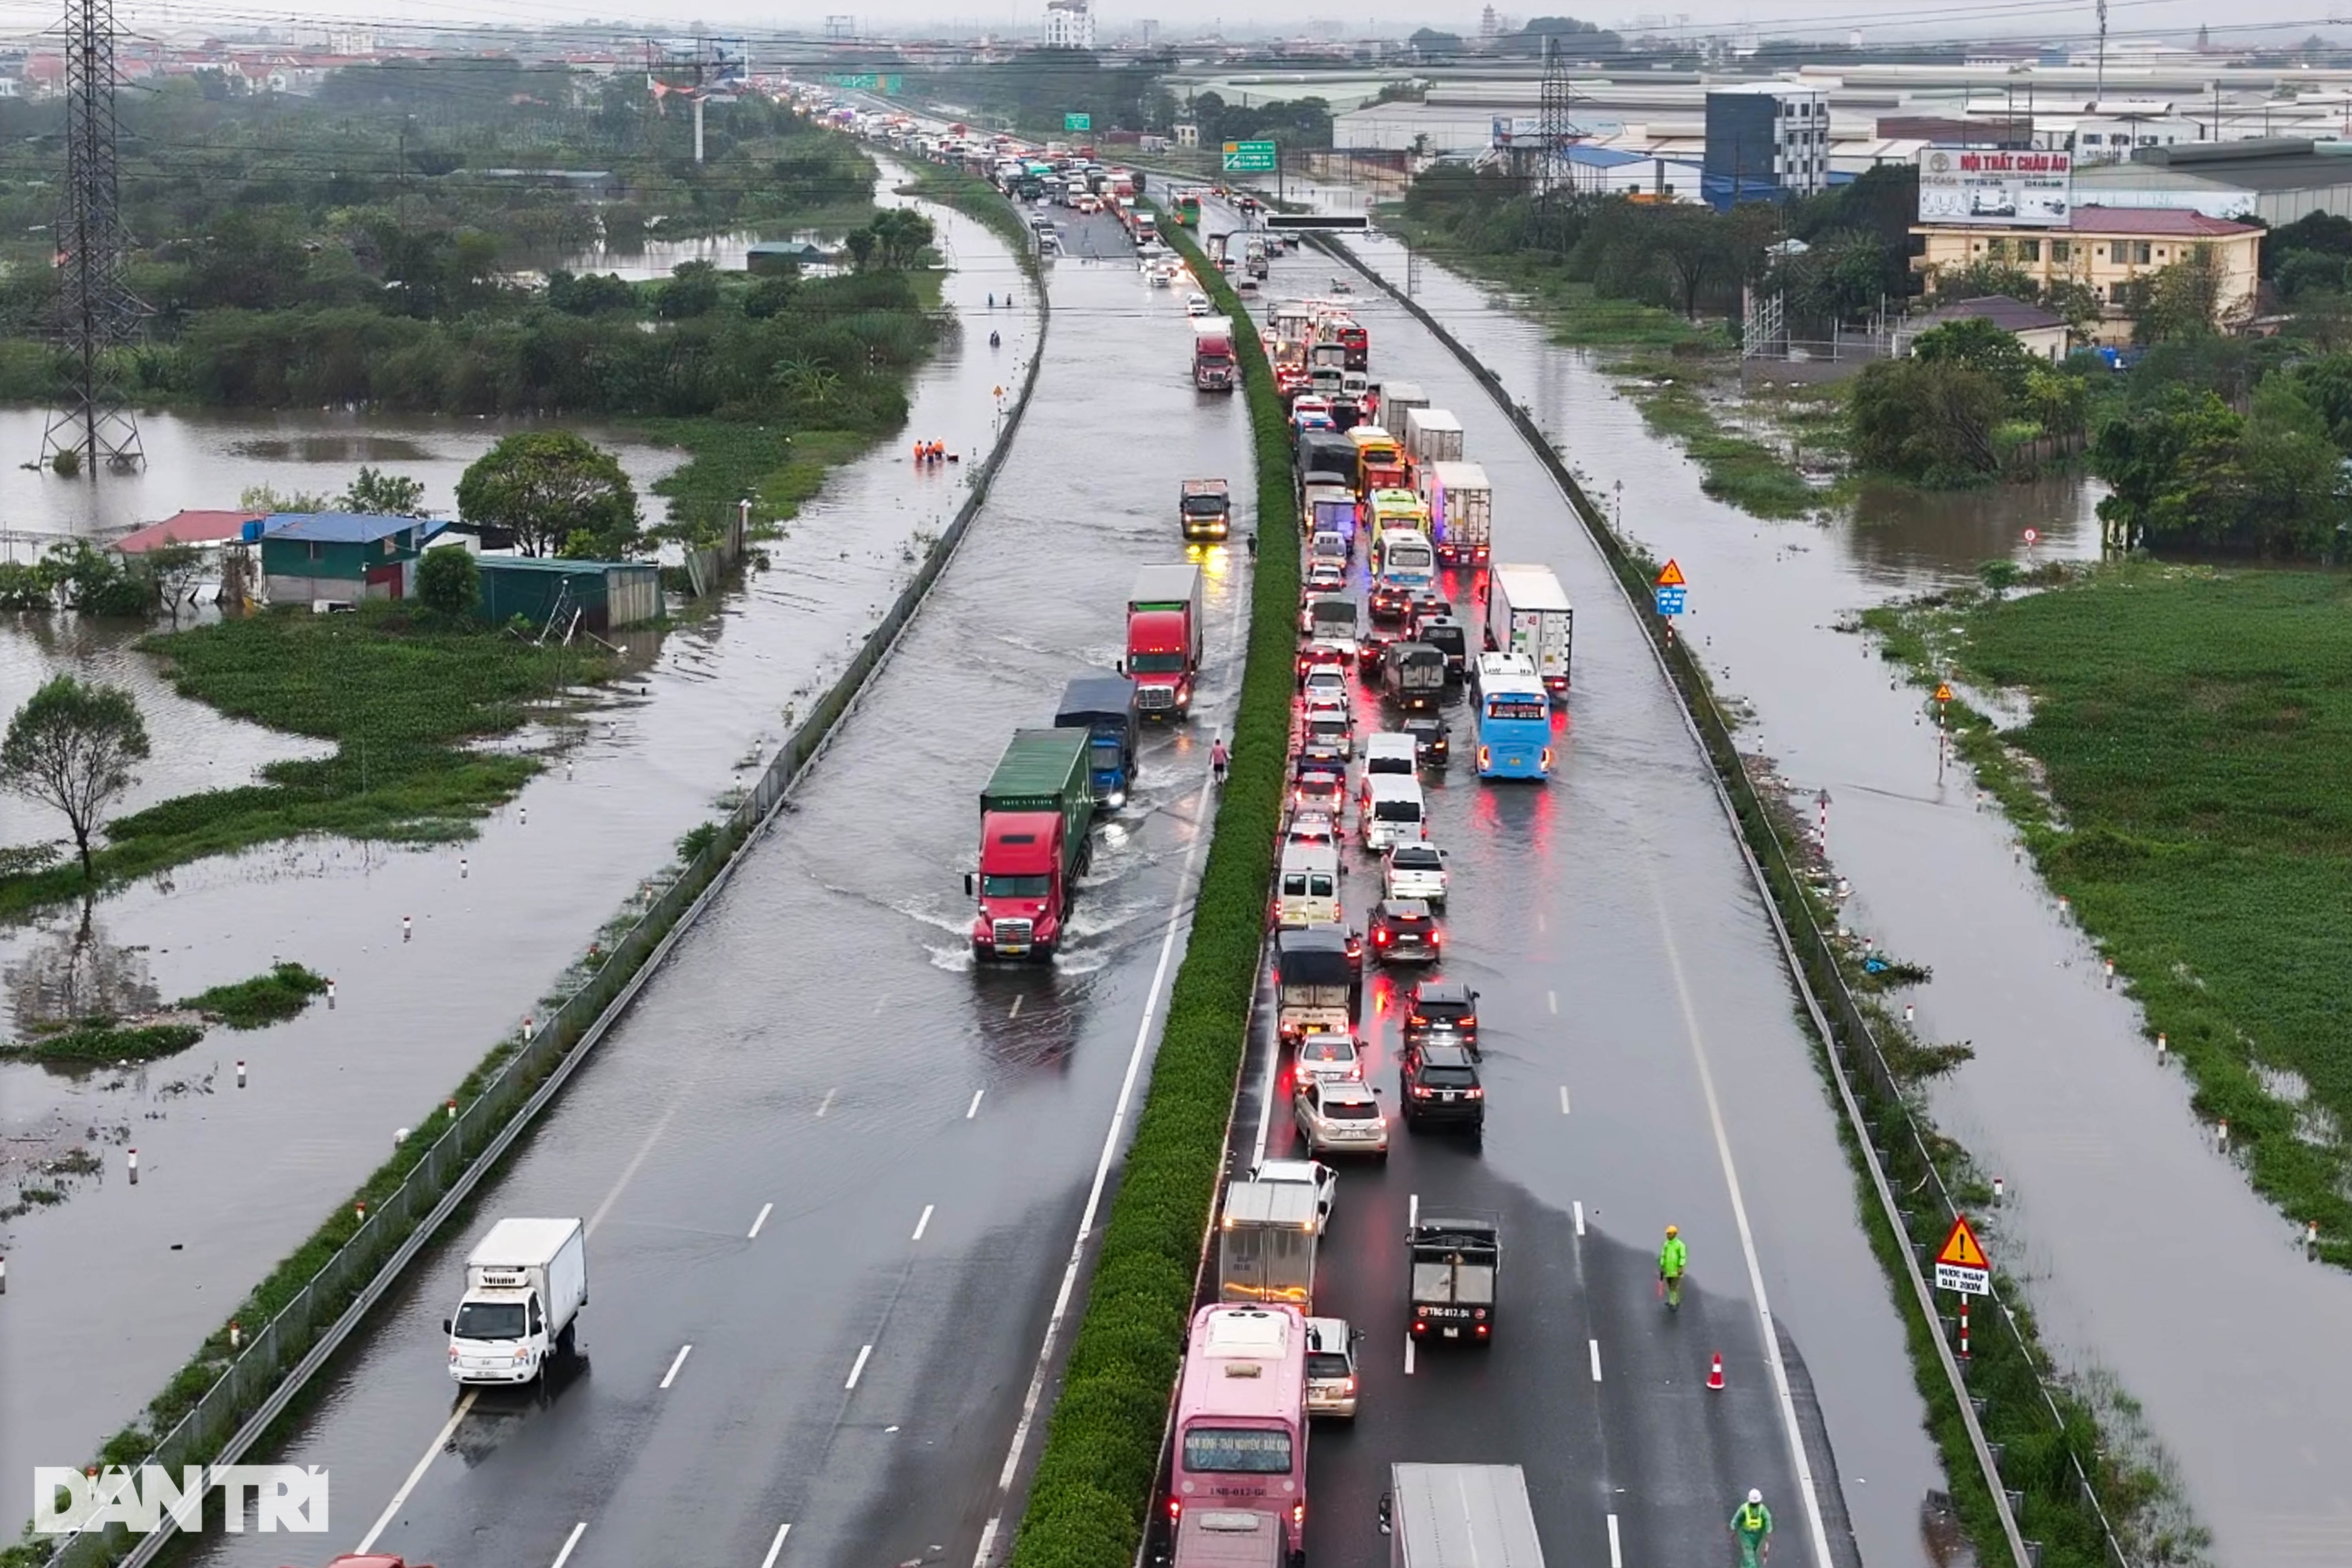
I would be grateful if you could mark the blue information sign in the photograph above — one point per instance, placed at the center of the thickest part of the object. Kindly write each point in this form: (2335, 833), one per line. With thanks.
(1670, 600)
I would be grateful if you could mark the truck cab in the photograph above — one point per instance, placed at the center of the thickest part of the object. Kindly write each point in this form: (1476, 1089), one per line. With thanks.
(1163, 638)
(1104, 706)
(1206, 509)
(526, 1281)
(1034, 816)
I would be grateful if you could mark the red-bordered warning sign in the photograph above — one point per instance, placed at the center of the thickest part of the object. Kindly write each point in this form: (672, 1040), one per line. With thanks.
(1672, 577)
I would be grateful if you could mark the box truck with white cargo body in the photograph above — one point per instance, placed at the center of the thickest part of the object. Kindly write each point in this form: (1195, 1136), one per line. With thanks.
(1432, 436)
(1447, 1516)
(1460, 512)
(525, 1284)
(1528, 613)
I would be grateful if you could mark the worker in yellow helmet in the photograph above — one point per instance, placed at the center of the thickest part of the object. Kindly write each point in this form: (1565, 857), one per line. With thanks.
(1672, 1258)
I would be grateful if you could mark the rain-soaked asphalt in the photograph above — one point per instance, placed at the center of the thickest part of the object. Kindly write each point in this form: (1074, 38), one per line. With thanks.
(842, 1167)
(2232, 1344)
(110, 1292)
(1630, 992)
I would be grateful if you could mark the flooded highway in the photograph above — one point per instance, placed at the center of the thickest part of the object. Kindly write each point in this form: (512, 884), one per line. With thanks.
(833, 1175)
(2105, 1165)
(111, 1290)
(1643, 1067)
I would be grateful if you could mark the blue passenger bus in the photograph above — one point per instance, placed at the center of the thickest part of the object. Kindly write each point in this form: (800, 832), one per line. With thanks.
(1513, 715)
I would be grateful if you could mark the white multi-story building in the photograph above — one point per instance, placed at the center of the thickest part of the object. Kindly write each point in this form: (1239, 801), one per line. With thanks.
(1069, 24)
(1766, 140)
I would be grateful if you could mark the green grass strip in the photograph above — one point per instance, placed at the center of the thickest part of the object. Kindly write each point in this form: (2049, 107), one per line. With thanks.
(1093, 1485)
(2193, 729)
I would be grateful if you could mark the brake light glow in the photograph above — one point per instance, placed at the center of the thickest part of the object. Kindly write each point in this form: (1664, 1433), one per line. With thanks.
(1419, 1093)
(1486, 756)
(1474, 1094)
(1547, 756)
(1298, 1513)
(1175, 1508)
(1380, 937)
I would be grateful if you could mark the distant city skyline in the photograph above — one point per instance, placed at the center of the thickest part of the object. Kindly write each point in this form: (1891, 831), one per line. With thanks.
(1828, 20)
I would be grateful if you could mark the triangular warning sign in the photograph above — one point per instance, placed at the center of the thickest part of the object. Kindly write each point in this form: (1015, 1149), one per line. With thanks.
(1672, 577)
(1943, 691)
(1961, 1248)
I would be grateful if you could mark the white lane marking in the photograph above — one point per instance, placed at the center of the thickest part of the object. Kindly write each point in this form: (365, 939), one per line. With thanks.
(1596, 1359)
(1413, 1211)
(973, 1109)
(827, 1104)
(777, 1545)
(570, 1541)
(1580, 1217)
(923, 1224)
(465, 1403)
(1266, 1096)
(638, 1159)
(1015, 1011)
(1551, 998)
(1795, 1434)
(671, 1376)
(1408, 1353)
(1616, 1551)
(765, 1210)
(1542, 923)
(858, 1371)
(880, 1003)
(1036, 1393)
(1563, 1100)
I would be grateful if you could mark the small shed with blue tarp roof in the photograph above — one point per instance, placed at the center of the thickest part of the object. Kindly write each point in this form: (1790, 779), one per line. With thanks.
(341, 556)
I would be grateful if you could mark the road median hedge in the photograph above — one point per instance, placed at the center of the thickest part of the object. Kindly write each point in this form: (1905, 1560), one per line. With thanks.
(1094, 1480)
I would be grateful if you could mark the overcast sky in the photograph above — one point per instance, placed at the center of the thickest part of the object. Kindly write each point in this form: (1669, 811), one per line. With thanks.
(1828, 18)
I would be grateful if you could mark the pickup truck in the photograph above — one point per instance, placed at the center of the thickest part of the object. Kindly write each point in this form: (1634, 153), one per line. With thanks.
(1035, 815)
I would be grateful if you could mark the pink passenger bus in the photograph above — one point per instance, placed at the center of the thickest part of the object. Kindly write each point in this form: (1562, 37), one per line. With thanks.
(1241, 1420)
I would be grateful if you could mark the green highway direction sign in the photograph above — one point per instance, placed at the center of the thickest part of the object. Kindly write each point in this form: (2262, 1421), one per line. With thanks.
(1077, 123)
(1249, 157)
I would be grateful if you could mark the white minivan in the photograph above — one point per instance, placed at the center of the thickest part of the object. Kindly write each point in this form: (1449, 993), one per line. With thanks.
(1307, 889)
(1389, 811)
(1389, 752)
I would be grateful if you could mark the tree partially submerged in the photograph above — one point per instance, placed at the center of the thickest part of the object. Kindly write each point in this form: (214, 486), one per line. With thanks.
(72, 747)
(557, 493)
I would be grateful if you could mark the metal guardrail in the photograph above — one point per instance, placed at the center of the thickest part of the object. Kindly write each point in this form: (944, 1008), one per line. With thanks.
(262, 1379)
(1838, 1019)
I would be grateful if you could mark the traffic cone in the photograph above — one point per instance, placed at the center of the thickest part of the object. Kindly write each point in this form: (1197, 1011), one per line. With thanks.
(1714, 1372)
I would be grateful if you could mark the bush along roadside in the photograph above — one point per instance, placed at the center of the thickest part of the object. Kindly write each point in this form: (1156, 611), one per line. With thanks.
(1093, 1485)
(2078, 1504)
(246, 1373)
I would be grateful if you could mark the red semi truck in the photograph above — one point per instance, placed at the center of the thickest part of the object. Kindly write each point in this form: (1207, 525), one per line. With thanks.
(1212, 357)
(1163, 640)
(1033, 819)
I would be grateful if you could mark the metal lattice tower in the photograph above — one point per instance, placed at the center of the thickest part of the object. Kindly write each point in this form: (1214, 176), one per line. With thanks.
(96, 312)
(1554, 128)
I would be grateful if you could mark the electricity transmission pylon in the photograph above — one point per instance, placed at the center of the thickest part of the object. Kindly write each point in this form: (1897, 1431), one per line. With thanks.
(95, 313)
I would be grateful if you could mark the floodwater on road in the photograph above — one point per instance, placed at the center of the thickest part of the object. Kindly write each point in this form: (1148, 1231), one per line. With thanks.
(110, 1290)
(2231, 1343)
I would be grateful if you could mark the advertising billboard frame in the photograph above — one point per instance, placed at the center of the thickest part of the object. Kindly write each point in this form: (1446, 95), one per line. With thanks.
(1984, 187)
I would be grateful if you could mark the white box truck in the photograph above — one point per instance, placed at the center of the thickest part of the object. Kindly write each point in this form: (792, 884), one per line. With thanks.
(1443, 1516)
(525, 1284)
(1460, 512)
(1528, 611)
(1433, 436)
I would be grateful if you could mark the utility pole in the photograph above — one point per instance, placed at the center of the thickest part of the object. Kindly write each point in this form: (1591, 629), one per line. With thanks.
(95, 311)
(2099, 88)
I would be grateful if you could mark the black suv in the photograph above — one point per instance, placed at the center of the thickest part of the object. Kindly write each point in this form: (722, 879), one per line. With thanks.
(1443, 1009)
(1438, 1081)
(1404, 931)
(1433, 739)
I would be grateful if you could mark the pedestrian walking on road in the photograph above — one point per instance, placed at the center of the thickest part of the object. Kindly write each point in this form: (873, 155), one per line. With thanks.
(1751, 1525)
(1672, 1258)
(1220, 758)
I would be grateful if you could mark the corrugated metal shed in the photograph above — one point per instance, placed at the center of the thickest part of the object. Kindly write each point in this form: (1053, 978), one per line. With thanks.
(608, 595)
